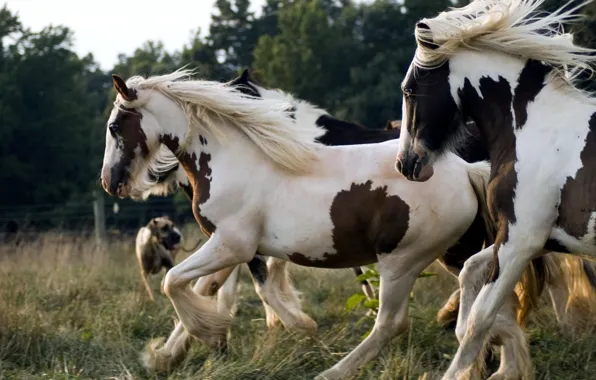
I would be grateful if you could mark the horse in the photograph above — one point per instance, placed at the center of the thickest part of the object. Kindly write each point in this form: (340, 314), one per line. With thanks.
(495, 62)
(337, 131)
(162, 358)
(261, 184)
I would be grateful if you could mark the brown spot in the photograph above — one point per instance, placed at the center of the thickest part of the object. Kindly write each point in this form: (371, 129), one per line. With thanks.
(128, 132)
(199, 175)
(366, 222)
(531, 81)
(577, 196)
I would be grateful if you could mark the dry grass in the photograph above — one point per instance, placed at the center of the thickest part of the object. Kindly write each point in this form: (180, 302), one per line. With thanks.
(69, 310)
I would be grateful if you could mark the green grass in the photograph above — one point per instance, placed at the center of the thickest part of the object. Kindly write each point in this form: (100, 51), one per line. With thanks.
(71, 311)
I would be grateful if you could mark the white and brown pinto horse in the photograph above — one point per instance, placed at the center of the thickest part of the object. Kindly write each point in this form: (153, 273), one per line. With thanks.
(498, 63)
(262, 184)
(270, 276)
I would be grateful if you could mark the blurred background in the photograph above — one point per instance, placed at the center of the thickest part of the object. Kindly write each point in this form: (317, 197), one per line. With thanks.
(56, 58)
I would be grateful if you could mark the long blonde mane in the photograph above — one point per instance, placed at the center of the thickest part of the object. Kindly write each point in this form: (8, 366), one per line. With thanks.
(265, 122)
(509, 26)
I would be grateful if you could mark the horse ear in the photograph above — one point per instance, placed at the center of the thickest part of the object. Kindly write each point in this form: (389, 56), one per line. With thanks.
(120, 86)
(427, 42)
(245, 76)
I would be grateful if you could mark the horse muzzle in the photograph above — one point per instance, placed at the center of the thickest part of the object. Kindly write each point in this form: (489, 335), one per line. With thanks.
(115, 185)
(415, 166)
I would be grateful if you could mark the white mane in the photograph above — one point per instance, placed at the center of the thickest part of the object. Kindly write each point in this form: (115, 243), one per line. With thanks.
(508, 26)
(265, 122)
(303, 109)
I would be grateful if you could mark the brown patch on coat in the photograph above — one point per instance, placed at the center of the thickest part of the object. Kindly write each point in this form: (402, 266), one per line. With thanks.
(126, 128)
(492, 111)
(578, 201)
(199, 175)
(366, 222)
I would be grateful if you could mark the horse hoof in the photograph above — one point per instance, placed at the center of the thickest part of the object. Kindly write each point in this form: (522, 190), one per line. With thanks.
(330, 374)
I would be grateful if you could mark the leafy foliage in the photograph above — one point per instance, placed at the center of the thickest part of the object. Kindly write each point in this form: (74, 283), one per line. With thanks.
(372, 276)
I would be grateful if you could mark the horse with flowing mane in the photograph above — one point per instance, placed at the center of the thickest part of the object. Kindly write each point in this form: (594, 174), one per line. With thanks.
(272, 282)
(512, 72)
(262, 184)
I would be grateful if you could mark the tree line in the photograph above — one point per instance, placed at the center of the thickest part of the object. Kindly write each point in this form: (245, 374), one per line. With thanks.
(344, 56)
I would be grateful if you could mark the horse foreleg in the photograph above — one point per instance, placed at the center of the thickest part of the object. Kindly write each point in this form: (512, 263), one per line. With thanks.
(200, 315)
(159, 356)
(475, 322)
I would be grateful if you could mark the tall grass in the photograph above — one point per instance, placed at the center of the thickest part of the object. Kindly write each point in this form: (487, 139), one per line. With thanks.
(72, 310)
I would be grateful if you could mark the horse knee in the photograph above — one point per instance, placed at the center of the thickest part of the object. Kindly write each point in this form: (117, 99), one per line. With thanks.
(172, 281)
(472, 269)
(460, 331)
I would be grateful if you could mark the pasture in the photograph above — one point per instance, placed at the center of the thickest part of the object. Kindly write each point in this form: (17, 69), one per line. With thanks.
(71, 310)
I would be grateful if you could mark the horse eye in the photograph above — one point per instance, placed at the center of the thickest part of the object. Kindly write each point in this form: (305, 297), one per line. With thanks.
(407, 91)
(113, 127)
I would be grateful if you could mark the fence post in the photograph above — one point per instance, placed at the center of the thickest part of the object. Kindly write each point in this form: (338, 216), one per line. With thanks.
(99, 217)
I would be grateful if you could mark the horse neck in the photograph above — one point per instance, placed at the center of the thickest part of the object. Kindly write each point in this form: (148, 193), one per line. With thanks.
(203, 153)
(486, 84)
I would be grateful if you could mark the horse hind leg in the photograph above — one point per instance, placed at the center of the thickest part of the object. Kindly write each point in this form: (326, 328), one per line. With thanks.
(273, 285)
(226, 295)
(162, 357)
(447, 315)
(398, 273)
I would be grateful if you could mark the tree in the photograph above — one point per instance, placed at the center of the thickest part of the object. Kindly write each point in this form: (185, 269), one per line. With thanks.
(233, 34)
(312, 54)
(45, 147)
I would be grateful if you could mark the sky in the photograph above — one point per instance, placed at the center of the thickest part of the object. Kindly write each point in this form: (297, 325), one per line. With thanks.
(107, 28)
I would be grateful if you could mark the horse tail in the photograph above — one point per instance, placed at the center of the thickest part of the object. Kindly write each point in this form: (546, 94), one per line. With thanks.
(479, 175)
(589, 272)
(580, 279)
(532, 284)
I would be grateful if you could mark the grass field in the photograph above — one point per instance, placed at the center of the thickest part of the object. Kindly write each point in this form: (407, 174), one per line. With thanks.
(71, 311)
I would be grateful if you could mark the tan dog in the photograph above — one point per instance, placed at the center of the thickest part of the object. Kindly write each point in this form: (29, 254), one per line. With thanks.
(157, 245)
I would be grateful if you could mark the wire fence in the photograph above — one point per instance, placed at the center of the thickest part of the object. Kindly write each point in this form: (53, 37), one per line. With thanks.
(122, 217)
